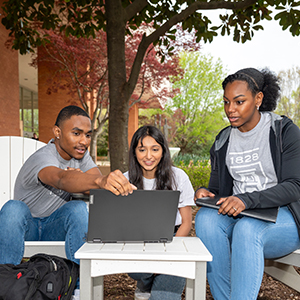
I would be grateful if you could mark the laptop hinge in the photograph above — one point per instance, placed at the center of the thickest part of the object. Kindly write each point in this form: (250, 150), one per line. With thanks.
(97, 240)
(163, 240)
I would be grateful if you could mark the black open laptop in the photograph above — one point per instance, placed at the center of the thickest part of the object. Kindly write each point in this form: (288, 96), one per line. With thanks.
(143, 216)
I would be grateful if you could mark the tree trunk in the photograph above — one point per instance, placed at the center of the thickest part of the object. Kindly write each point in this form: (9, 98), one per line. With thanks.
(93, 151)
(118, 98)
(95, 134)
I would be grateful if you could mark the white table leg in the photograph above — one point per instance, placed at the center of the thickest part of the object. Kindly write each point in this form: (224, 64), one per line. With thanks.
(189, 289)
(98, 288)
(200, 281)
(86, 281)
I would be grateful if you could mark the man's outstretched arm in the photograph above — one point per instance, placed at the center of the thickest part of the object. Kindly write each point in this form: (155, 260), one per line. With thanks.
(75, 181)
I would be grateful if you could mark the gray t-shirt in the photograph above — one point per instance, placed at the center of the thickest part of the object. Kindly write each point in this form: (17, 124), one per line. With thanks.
(43, 199)
(249, 159)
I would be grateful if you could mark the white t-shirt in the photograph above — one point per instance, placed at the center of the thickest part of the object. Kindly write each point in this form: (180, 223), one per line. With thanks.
(183, 184)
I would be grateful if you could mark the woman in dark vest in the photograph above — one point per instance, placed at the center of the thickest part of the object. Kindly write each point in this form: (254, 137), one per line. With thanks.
(255, 163)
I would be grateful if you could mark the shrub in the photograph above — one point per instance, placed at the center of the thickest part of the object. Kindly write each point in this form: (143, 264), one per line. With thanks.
(198, 172)
(186, 159)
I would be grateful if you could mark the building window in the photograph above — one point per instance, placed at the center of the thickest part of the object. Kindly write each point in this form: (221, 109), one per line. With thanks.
(29, 113)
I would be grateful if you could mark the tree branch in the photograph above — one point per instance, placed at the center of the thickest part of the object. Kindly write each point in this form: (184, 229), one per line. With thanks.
(148, 40)
(191, 9)
(135, 7)
(139, 100)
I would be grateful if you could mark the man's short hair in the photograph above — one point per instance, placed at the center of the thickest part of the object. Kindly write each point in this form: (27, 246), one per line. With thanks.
(69, 111)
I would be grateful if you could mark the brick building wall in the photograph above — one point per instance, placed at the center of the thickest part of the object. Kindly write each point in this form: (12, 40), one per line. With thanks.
(49, 103)
(133, 121)
(9, 86)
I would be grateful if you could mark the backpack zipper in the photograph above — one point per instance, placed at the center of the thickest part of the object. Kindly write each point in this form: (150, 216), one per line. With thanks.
(54, 264)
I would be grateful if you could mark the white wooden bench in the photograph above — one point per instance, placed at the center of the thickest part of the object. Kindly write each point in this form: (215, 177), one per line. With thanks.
(14, 150)
(282, 269)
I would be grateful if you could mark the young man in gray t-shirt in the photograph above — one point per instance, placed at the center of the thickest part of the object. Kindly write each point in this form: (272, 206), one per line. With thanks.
(41, 210)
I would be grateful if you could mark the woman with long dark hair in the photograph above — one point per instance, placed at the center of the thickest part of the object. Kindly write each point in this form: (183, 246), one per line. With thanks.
(150, 168)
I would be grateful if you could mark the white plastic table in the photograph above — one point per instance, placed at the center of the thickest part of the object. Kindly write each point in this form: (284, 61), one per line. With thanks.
(184, 256)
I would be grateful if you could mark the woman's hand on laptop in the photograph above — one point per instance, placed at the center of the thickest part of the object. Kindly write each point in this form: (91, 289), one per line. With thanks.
(202, 192)
(231, 205)
(117, 183)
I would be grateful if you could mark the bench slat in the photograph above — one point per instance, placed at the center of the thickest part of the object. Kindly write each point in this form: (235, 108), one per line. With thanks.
(5, 175)
(53, 248)
(16, 160)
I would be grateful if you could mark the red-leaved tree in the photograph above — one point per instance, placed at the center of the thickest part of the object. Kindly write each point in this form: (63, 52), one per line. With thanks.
(81, 69)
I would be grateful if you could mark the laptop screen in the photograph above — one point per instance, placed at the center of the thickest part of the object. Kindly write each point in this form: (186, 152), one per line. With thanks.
(143, 216)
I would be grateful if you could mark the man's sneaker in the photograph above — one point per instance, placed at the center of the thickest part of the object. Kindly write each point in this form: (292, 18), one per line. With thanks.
(76, 295)
(139, 295)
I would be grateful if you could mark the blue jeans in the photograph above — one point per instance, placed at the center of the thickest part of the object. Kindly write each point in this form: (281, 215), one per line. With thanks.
(161, 287)
(239, 247)
(68, 223)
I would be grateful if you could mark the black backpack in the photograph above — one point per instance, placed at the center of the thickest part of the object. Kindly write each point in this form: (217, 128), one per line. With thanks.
(42, 277)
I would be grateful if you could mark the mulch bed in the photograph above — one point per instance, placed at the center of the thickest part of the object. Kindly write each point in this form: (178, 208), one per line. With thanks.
(122, 287)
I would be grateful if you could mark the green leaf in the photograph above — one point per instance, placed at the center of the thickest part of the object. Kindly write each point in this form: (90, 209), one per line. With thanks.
(280, 15)
(257, 27)
(215, 28)
(223, 31)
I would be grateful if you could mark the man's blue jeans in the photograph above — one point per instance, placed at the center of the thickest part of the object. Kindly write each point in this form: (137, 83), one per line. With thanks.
(161, 287)
(69, 223)
(239, 247)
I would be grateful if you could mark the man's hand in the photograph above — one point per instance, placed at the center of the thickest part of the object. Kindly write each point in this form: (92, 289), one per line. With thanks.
(73, 180)
(117, 183)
